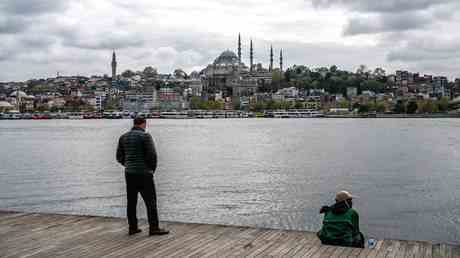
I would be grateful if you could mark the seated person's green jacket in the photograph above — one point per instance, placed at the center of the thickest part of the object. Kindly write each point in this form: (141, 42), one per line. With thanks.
(340, 226)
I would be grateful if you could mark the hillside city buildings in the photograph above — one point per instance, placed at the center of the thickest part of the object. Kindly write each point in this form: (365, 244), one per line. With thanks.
(227, 83)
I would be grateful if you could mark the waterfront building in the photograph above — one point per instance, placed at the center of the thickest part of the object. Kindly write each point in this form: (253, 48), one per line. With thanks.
(352, 92)
(140, 100)
(229, 75)
(114, 66)
(402, 78)
(5, 106)
(291, 92)
(440, 84)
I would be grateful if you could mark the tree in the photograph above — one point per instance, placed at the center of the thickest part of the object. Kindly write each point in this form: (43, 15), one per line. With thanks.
(379, 72)
(380, 107)
(372, 85)
(128, 74)
(363, 108)
(180, 74)
(257, 106)
(195, 102)
(400, 107)
(443, 104)
(333, 69)
(343, 103)
(362, 69)
(299, 105)
(412, 107)
(150, 72)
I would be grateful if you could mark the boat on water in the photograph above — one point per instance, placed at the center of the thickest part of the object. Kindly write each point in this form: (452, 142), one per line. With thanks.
(280, 114)
(219, 114)
(117, 115)
(128, 115)
(202, 114)
(155, 115)
(294, 113)
(174, 115)
(232, 114)
(75, 116)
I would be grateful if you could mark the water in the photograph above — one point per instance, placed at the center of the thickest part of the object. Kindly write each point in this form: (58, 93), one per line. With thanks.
(255, 172)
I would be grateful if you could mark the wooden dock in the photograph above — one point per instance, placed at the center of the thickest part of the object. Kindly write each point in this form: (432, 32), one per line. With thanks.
(51, 235)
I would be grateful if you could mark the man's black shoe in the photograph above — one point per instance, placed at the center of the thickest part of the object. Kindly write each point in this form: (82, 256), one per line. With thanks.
(133, 231)
(158, 232)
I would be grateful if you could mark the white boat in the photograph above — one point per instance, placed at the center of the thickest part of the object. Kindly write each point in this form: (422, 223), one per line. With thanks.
(174, 115)
(231, 114)
(75, 116)
(204, 114)
(280, 114)
(127, 115)
(219, 114)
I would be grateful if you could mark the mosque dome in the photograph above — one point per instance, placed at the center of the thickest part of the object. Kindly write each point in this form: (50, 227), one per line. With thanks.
(22, 94)
(227, 58)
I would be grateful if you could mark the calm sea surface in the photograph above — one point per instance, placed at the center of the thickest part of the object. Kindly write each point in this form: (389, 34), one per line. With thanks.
(265, 173)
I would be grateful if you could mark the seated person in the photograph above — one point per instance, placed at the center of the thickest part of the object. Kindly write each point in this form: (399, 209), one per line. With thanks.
(341, 223)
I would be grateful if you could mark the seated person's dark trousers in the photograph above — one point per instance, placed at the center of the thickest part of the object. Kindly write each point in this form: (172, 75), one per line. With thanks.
(143, 184)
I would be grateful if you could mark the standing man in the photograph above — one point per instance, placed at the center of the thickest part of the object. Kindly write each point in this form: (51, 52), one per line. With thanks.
(136, 152)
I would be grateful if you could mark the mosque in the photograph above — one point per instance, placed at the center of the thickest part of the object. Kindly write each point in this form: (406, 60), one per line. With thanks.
(229, 75)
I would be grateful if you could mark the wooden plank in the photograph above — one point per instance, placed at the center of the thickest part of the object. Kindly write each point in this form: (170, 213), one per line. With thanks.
(301, 244)
(437, 251)
(33, 240)
(318, 252)
(393, 249)
(201, 244)
(51, 235)
(307, 250)
(456, 251)
(427, 250)
(402, 249)
(284, 238)
(270, 240)
(339, 250)
(289, 243)
(249, 245)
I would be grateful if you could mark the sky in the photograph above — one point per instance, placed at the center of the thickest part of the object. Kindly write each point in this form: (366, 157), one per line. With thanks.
(39, 38)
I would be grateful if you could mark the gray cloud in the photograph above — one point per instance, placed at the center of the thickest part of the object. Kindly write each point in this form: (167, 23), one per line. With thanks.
(388, 16)
(40, 37)
(428, 49)
(11, 24)
(386, 6)
(18, 15)
(32, 7)
(386, 23)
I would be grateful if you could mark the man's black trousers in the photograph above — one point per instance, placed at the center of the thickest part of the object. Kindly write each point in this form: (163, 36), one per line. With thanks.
(143, 184)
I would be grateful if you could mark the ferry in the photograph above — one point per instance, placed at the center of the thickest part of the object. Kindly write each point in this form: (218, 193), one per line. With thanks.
(280, 114)
(75, 116)
(127, 115)
(174, 115)
(155, 115)
(231, 114)
(203, 114)
(219, 114)
(117, 115)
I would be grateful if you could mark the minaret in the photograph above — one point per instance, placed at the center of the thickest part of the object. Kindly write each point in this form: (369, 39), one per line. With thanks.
(239, 48)
(281, 60)
(270, 68)
(251, 57)
(114, 66)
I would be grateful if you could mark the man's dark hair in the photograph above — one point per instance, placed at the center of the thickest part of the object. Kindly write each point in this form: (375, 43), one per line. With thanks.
(139, 120)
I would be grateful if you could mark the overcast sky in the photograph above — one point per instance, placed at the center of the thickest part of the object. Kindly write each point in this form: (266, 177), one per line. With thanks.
(75, 37)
